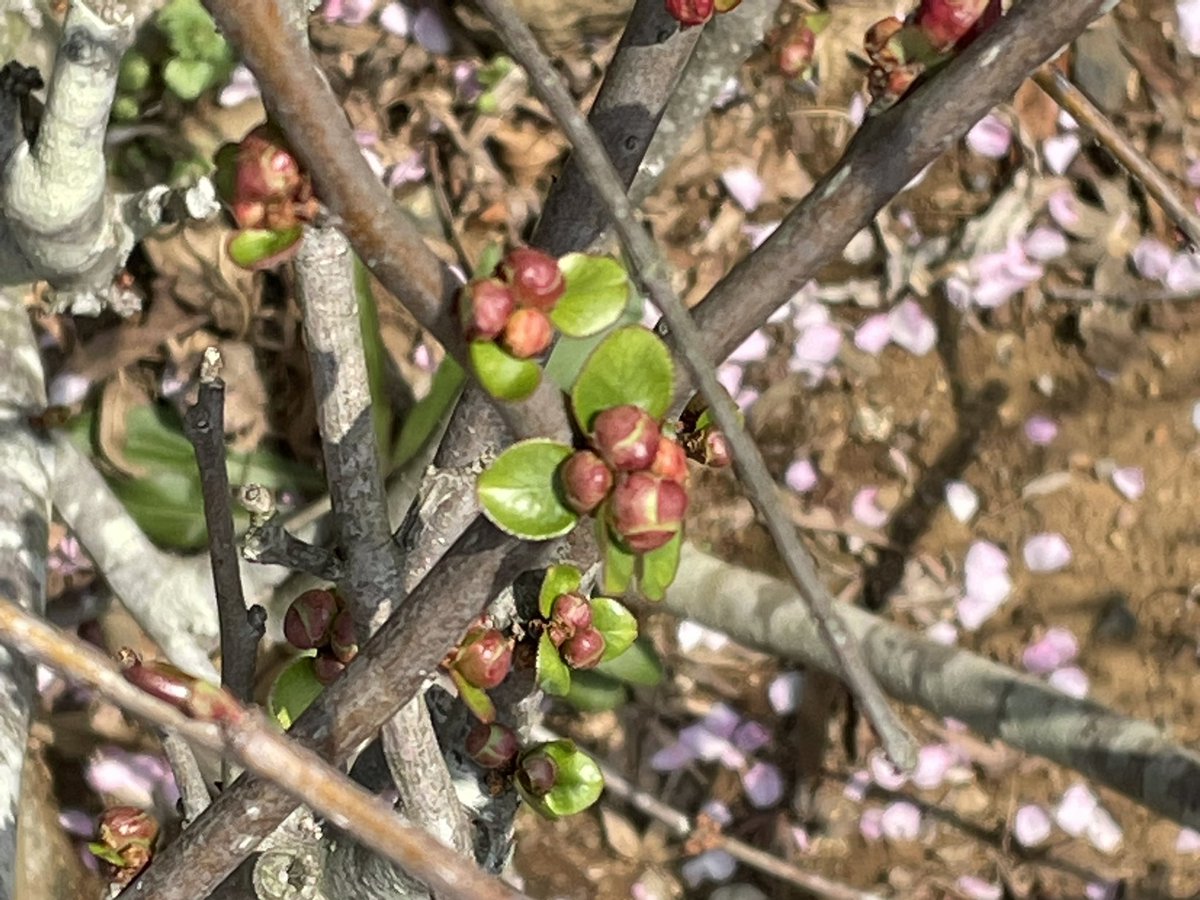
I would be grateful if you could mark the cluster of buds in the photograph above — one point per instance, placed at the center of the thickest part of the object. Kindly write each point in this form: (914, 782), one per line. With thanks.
(900, 52)
(697, 12)
(125, 842)
(636, 473)
(513, 306)
(570, 628)
(192, 696)
(482, 658)
(318, 620)
(268, 189)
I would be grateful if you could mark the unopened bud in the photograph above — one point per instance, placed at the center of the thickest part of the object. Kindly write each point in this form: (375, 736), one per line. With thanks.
(536, 279)
(326, 668)
(627, 437)
(586, 481)
(484, 307)
(537, 773)
(794, 50)
(952, 24)
(691, 12)
(120, 826)
(670, 461)
(584, 650)
(342, 639)
(646, 511)
(528, 333)
(266, 169)
(492, 745)
(572, 610)
(307, 623)
(715, 447)
(483, 658)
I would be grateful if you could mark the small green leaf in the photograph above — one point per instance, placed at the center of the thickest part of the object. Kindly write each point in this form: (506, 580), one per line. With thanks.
(593, 691)
(485, 266)
(616, 623)
(577, 785)
(553, 676)
(263, 248)
(631, 366)
(519, 491)
(618, 562)
(638, 665)
(559, 580)
(106, 853)
(293, 691)
(476, 699)
(502, 375)
(596, 295)
(657, 569)
(188, 78)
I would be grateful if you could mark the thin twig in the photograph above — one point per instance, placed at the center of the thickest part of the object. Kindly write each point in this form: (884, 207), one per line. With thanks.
(256, 744)
(1067, 95)
(268, 542)
(193, 789)
(204, 424)
(651, 269)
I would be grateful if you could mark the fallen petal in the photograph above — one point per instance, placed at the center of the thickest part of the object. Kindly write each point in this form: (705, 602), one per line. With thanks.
(1076, 809)
(1189, 24)
(672, 757)
(711, 865)
(870, 824)
(912, 329)
(943, 633)
(1103, 832)
(1041, 430)
(1031, 825)
(1151, 259)
(396, 19)
(1045, 243)
(873, 334)
(1188, 841)
(1053, 650)
(744, 186)
(933, 763)
(751, 736)
(801, 476)
(883, 773)
(1059, 151)
(1047, 552)
(901, 821)
(990, 137)
(753, 349)
(865, 509)
(1063, 207)
(1130, 481)
(763, 785)
(1072, 681)
(978, 888)
(785, 692)
(962, 500)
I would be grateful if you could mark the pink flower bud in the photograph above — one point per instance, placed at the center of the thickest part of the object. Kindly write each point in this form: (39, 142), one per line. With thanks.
(573, 611)
(584, 650)
(670, 461)
(716, 448)
(308, 620)
(266, 170)
(528, 333)
(794, 50)
(483, 658)
(484, 307)
(327, 668)
(537, 773)
(491, 745)
(536, 279)
(691, 12)
(646, 511)
(627, 437)
(342, 639)
(955, 23)
(586, 481)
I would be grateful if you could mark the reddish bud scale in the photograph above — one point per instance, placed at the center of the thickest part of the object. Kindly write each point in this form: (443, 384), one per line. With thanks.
(950, 24)
(484, 307)
(646, 511)
(492, 745)
(342, 639)
(484, 657)
(584, 650)
(528, 333)
(691, 12)
(266, 170)
(627, 437)
(573, 611)
(586, 481)
(307, 623)
(670, 462)
(326, 668)
(536, 279)
(537, 773)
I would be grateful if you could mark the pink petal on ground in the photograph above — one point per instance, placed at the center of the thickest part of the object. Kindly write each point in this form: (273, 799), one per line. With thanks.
(77, 823)
(959, 292)
(785, 692)
(978, 889)
(1031, 825)
(672, 757)
(901, 821)
(746, 399)
(1047, 552)
(1103, 832)
(1183, 275)
(119, 774)
(990, 137)
(1188, 841)
(718, 812)
(985, 572)
(757, 233)
(423, 358)
(1063, 207)
(1151, 258)
(1072, 681)
(722, 720)
(730, 376)
(711, 865)
(396, 19)
(807, 312)
(430, 31)
(912, 329)
(1196, 416)
(1041, 430)
(1192, 173)
(873, 334)
(943, 633)
(763, 785)
(883, 773)
(1051, 651)
(962, 500)
(751, 736)
(1130, 481)
(1076, 809)
(752, 349)
(857, 786)
(1102, 890)
(1059, 151)
(744, 186)
(816, 348)
(865, 509)
(706, 745)
(801, 476)
(933, 763)
(378, 169)
(348, 12)
(870, 824)
(408, 171)
(242, 86)
(1189, 24)
(972, 611)
(1044, 244)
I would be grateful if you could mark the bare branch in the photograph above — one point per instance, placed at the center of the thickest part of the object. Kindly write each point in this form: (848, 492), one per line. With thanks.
(193, 789)
(651, 269)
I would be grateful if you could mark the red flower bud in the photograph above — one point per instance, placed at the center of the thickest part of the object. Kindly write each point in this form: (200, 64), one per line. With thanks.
(627, 437)
(573, 611)
(537, 773)
(584, 650)
(483, 658)
(492, 745)
(586, 481)
(308, 620)
(670, 461)
(950, 24)
(342, 639)
(794, 51)
(535, 277)
(484, 307)
(646, 511)
(716, 448)
(120, 826)
(266, 170)
(528, 333)
(691, 12)
(327, 668)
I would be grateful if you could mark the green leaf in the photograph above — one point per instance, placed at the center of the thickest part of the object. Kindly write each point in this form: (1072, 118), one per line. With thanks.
(631, 366)
(294, 691)
(263, 248)
(502, 375)
(489, 259)
(577, 785)
(553, 676)
(657, 569)
(592, 691)
(596, 295)
(616, 623)
(426, 416)
(638, 665)
(188, 78)
(106, 853)
(519, 491)
(618, 563)
(559, 580)
(476, 699)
